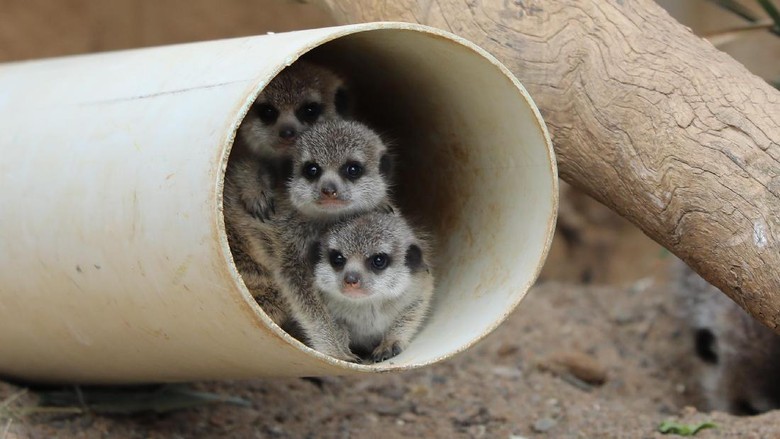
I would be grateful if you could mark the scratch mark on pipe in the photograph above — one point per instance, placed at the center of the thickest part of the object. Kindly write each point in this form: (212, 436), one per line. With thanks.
(181, 270)
(161, 93)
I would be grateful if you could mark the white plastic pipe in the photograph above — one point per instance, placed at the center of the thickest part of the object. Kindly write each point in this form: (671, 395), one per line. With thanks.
(114, 264)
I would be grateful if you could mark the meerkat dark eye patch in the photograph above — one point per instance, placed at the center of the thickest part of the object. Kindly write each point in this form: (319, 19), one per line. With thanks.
(267, 113)
(309, 113)
(379, 262)
(386, 165)
(337, 260)
(352, 170)
(706, 349)
(341, 101)
(414, 258)
(311, 171)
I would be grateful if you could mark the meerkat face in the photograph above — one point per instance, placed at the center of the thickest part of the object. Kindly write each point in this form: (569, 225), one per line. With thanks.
(298, 97)
(339, 167)
(371, 258)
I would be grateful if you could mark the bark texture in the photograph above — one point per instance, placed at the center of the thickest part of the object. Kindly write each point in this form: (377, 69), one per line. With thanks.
(646, 117)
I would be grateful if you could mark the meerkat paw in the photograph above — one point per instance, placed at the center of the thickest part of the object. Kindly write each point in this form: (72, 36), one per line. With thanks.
(337, 351)
(346, 355)
(386, 350)
(261, 207)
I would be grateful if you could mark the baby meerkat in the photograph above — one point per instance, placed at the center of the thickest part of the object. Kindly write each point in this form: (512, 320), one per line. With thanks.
(740, 357)
(340, 169)
(375, 276)
(299, 97)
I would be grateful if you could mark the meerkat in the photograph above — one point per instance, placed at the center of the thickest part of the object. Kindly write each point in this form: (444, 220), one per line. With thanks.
(299, 97)
(739, 356)
(340, 169)
(376, 280)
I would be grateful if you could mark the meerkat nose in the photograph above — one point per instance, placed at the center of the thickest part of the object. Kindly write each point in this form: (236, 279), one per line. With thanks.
(329, 190)
(287, 133)
(352, 280)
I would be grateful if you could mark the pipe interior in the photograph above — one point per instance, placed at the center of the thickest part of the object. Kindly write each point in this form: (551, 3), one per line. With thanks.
(473, 167)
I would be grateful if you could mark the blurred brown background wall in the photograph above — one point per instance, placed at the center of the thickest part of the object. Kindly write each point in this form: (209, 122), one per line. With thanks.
(43, 28)
(759, 51)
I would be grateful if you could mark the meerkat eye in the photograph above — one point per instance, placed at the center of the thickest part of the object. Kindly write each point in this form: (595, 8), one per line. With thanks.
(337, 260)
(311, 171)
(353, 170)
(379, 261)
(309, 113)
(267, 113)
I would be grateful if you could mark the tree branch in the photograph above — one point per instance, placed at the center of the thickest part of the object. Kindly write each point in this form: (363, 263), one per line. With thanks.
(647, 118)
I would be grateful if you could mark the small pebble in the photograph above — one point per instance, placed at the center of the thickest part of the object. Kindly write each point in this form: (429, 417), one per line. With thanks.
(477, 431)
(393, 392)
(623, 316)
(544, 424)
(408, 417)
(439, 379)
(507, 350)
(580, 365)
(276, 430)
(418, 391)
(507, 372)
(393, 409)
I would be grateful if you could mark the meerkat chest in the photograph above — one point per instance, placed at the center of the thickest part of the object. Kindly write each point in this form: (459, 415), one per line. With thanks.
(367, 323)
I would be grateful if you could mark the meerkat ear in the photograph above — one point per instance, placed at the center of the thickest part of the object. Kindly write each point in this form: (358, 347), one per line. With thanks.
(386, 165)
(414, 258)
(315, 253)
(341, 100)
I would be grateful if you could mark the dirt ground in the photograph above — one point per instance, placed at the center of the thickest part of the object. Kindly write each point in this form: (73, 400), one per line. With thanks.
(595, 350)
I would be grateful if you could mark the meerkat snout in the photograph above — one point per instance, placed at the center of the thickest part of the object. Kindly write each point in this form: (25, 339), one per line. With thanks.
(329, 190)
(288, 133)
(351, 286)
(352, 280)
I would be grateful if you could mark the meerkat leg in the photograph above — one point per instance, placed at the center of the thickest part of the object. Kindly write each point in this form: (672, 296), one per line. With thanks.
(270, 300)
(293, 275)
(311, 313)
(400, 334)
(258, 202)
(253, 183)
(261, 286)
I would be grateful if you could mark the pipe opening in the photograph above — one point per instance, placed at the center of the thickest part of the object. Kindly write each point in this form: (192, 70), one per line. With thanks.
(473, 166)
(125, 274)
